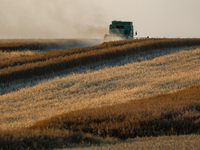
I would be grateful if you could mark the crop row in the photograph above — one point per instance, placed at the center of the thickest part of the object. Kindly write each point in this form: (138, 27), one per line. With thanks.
(165, 114)
(68, 61)
(32, 44)
(61, 53)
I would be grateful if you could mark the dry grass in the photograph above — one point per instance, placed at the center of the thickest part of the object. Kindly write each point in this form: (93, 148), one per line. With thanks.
(43, 44)
(175, 113)
(106, 86)
(4, 56)
(30, 44)
(164, 114)
(186, 142)
(51, 62)
(47, 139)
(61, 53)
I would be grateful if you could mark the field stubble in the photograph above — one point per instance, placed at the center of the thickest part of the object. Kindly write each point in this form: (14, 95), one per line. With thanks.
(139, 57)
(44, 45)
(101, 87)
(186, 142)
(164, 114)
(54, 61)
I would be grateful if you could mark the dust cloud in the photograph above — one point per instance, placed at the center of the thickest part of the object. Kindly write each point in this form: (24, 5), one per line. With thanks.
(51, 19)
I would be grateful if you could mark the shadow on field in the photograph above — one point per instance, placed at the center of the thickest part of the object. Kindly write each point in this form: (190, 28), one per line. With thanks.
(49, 139)
(175, 113)
(16, 85)
(45, 45)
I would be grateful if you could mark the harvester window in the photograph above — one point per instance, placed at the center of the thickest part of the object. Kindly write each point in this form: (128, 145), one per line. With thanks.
(120, 27)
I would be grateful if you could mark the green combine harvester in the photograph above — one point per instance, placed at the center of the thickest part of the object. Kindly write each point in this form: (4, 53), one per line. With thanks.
(120, 30)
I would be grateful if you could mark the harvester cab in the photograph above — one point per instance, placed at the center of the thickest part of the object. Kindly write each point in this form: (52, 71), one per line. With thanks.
(120, 30)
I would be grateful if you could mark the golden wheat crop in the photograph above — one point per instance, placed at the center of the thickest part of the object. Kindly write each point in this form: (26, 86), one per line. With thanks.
(123, 93)
(165, 114)
(55, 61)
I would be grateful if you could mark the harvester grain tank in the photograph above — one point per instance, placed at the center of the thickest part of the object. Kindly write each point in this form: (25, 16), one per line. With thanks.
(120, 29)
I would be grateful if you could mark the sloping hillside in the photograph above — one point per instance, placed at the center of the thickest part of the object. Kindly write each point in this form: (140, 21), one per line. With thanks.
(106, 86)
(114, 98)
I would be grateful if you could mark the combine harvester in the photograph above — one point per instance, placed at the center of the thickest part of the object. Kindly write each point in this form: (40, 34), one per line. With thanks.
(120, 30)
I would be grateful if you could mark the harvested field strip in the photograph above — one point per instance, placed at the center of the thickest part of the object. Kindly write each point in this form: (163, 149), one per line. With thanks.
(165, 114)
(59, 63)
(4, 56)
(62, 53)
(39, 44)
(106, 86)
(31, 44)
(10, 45)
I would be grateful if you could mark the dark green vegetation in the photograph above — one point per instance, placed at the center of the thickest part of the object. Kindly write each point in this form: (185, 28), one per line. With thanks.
(17, 68)
(175, 113)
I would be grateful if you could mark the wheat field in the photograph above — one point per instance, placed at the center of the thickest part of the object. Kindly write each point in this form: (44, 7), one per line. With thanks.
(187, 142)
(26, 67)
(95, 88)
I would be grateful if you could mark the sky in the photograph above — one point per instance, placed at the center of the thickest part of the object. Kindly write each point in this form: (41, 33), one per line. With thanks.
(91, 18)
